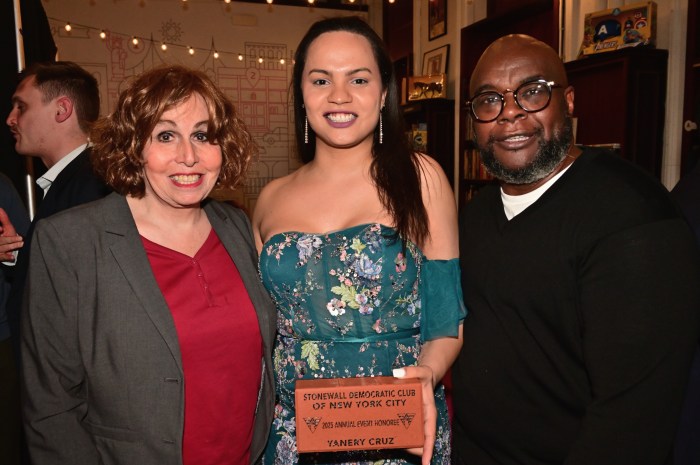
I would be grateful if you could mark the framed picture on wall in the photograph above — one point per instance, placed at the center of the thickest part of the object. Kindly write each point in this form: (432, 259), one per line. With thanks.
(435, 61)
(437, 18)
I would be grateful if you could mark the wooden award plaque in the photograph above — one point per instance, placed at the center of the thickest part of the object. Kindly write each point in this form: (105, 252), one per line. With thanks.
(358, 413)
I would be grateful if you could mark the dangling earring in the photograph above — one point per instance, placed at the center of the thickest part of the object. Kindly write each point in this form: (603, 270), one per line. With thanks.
(381, 128)
(306, 130)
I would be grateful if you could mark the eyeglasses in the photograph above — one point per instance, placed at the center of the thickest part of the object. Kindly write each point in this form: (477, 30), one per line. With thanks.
(532, 96)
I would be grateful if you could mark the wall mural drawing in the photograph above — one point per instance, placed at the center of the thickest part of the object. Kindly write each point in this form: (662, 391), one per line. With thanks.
(258, 88)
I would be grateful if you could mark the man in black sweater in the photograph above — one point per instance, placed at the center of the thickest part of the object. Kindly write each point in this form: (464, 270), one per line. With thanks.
(582, 281)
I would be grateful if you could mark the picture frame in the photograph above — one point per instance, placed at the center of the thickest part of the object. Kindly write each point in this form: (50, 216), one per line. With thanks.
(435, 61)
(437, 18)
(427, 87)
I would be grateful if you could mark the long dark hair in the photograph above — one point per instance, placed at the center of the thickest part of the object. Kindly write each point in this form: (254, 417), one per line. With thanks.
(395, 167)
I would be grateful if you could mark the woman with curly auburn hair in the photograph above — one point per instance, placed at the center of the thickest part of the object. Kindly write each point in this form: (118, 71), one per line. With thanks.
(147, 335)
(118, 140)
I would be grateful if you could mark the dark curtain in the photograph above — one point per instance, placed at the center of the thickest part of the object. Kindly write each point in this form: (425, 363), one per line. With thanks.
(38, 46)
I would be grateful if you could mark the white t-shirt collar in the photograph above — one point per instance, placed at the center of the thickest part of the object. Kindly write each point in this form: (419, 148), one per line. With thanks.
(513, 205)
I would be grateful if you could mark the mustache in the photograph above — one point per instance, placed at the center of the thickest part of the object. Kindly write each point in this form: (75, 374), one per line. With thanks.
(538, 133)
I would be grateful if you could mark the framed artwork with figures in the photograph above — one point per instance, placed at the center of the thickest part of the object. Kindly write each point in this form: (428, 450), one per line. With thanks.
(435, 61)
(437, 18)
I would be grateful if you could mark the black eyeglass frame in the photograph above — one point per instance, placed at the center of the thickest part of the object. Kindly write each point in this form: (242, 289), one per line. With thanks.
(550, 85)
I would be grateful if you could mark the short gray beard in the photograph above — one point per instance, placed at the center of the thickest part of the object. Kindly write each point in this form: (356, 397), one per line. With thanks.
(549, 155)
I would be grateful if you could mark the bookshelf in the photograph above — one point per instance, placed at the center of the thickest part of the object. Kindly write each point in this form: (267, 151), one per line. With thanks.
(620, 103)
(474, 175)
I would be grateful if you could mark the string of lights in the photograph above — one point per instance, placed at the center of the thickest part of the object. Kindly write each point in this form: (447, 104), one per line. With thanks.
(310, 2)
(164, 45)
(102, 33)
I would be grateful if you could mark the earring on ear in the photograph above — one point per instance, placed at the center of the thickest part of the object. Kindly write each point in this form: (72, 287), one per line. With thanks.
(306, 130)
(381, 127)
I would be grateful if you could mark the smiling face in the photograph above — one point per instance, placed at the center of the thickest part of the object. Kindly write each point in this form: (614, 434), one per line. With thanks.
(31, 119)
(181, 166)
(342, 90)
(521, 147)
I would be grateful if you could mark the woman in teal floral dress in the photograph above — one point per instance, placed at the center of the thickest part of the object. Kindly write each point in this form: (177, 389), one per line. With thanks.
(358, 247)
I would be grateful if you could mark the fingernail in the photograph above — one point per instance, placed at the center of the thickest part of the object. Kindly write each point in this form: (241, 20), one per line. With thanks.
(399, 372)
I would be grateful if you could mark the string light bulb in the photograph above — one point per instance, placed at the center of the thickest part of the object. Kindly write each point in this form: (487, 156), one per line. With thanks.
(227, 1)
(135, 40)
(311, 2)
(269, 1)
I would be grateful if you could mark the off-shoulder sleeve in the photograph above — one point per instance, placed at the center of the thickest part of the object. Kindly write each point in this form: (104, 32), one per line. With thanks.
(442, 308)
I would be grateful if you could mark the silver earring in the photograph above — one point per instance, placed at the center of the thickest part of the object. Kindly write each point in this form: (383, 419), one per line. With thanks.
(306, 130)
(381, 128)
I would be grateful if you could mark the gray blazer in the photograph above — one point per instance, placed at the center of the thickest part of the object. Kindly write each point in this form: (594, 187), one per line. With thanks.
(102, 373)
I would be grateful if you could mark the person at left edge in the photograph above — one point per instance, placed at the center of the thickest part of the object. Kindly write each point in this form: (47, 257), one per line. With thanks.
(147, 334)
(53, 109)
(14, 222)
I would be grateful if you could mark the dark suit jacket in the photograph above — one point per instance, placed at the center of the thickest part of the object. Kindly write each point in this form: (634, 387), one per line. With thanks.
(687, 193)
(13, 206)
(75, 184)
(102, 372)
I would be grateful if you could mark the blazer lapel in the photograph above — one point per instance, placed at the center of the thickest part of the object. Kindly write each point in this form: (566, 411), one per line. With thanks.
(232, 234)
(128, 251)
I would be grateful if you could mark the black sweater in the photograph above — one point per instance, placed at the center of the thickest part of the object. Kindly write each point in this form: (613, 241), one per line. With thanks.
(584, 311)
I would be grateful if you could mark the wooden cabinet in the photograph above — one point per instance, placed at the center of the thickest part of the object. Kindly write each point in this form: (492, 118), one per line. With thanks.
(619, 100)
(438, 117)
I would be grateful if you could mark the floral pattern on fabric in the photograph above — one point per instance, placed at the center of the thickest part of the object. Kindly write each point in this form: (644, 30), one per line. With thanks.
(348, 305)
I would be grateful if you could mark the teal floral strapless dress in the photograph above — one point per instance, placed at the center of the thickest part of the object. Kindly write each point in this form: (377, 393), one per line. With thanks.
(354, 303)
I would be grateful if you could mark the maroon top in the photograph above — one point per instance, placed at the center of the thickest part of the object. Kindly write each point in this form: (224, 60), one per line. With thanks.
(221, 349)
